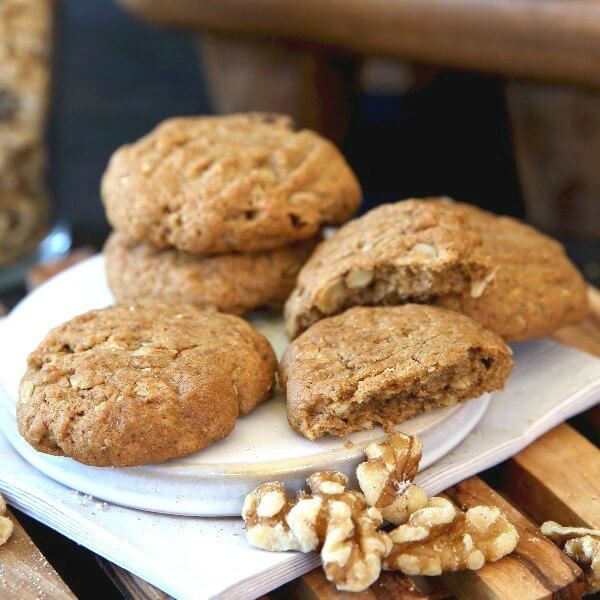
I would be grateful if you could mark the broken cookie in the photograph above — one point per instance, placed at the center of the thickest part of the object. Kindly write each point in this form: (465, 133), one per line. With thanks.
(384, 365)
(410, 251)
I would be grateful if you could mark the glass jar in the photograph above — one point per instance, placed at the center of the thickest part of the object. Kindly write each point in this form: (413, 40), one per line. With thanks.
(26, 43)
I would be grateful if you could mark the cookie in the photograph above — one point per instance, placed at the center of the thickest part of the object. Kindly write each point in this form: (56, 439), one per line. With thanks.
(410, 251)
(237, 183)
(536, 289)
(384, 365)
(133, 384)
(231, 283)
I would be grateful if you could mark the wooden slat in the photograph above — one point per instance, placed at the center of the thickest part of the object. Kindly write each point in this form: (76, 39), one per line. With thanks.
(558, 478)
(314, 586)
(546, 39)
(25, 574)
(536, 569)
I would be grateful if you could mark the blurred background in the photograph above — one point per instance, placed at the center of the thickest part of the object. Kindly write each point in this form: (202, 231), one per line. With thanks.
(499, 110)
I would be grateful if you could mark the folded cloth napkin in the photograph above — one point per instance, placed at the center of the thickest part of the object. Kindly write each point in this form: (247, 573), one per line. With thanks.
(190, 557)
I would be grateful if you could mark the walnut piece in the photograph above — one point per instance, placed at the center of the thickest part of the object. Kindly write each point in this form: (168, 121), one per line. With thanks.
(331, 519)
(332, 297)
(386, 475)
(265, 511)
(439, 538)
(582, 545)
(6, 525)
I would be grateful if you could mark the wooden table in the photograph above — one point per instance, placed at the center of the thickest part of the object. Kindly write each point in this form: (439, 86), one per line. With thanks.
(557, 477)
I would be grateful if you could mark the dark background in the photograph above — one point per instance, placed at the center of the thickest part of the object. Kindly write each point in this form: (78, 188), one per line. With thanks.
(116, 78)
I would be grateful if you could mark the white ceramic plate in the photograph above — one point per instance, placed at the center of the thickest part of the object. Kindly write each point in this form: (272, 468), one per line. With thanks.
(214, 481)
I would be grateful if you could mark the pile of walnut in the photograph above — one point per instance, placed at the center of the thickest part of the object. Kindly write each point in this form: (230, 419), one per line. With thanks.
(582, 545)
(6, 525)
(431, 535)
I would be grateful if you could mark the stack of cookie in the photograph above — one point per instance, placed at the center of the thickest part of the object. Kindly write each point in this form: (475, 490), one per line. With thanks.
(221, 212)
(25, 50)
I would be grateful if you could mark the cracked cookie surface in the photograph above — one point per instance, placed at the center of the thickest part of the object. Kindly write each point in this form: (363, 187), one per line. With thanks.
(384, 365)
(410, 251)
(536, 288)
(133, 384)
(231, 283)
(212, 185)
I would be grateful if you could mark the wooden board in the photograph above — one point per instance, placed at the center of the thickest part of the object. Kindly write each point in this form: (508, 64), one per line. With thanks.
(24, 572)
(544, 39)
(558, 479)
(314, 586)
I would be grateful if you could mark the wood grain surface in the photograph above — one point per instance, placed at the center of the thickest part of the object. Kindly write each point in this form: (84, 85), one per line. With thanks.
(558, 479)
(25, 574)
(543, 39)
(314, 586)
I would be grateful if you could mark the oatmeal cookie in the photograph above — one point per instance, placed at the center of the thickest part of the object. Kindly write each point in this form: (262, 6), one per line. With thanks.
(410, 251)
(384, 365)
(231, 283)
(133, 384)
(536, 288)
(237, 183)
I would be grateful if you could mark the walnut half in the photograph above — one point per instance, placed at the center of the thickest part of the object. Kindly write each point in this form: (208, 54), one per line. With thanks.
(265, 511)
(582, 545)
(6, 525)
(386, 475)
(439, 538)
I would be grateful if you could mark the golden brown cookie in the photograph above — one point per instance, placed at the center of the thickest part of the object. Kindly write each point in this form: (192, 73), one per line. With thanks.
(411, 251)
(536, 289)
(231, 283)
(384, 365)
(133, 384)
(211, 185)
